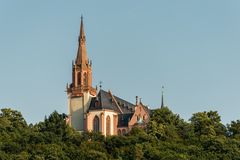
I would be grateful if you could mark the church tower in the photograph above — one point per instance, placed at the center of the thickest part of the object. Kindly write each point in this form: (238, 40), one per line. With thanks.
(80, 91)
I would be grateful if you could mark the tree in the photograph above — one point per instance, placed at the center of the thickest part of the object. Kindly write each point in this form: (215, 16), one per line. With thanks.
(164, 124)
(55, 128)
(165, 116)
(207, 124)
(202, 124)
(12, 119)
(167, 136)
(215, 118)
(234, 128)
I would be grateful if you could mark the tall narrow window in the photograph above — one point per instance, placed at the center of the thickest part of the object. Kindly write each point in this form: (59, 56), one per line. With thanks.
(85, 79)
(124, 131)
(79, 78)
(108, 126)
(96, 124)
(119, 132)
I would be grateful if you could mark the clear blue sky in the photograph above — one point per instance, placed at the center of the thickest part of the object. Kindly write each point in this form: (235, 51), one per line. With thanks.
(190, 47)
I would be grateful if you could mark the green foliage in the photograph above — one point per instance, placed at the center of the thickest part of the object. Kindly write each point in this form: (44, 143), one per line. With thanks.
(11, 119)
(207, 124)
(165, 125)
(234, 128)
(166, 137)
(165, 116)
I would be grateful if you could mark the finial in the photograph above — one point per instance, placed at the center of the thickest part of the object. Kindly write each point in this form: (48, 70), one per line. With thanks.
(81, 17)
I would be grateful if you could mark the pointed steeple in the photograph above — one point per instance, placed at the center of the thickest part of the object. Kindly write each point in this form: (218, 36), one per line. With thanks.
(81, 69)
(82, 34)
(82, 52)
(162, 104)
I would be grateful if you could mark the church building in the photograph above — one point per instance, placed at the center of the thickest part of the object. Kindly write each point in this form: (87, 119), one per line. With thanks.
(90, 109)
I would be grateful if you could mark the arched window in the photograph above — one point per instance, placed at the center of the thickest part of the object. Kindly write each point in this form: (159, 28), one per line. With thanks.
(108, 126)
(79, 78)
(85, 80)
(119, 132)
(96, 124)
(124, 131)
(138, 118)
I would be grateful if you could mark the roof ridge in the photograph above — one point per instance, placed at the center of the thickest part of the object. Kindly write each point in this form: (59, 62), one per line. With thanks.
(123, 100)
(115, 101)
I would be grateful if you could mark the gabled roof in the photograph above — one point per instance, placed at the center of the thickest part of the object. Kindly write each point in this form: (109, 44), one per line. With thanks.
(146, 108)
(105, 100)
(123, 119)
(125, 106)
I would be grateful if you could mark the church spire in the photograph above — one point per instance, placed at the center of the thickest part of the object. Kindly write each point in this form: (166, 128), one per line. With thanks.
(162, 104)
(82, 52)
(82, 34)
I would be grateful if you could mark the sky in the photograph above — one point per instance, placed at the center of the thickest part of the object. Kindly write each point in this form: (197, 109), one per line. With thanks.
(192, 48)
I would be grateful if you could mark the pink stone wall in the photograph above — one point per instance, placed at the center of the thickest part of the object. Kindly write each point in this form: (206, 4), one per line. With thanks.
(103, 114)
(140, 112)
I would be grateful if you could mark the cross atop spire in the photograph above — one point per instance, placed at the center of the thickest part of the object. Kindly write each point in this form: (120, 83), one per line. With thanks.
(82, 52)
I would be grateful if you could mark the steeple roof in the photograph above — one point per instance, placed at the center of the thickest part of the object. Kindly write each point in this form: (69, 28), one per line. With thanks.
(162, 104)
(81, 58)
(82, 34)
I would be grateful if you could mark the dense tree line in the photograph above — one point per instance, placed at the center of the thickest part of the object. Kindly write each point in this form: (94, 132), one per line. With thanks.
(166, 137)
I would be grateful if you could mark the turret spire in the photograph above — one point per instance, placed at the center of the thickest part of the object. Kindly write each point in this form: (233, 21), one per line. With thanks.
(82, 52)
(162, 105)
